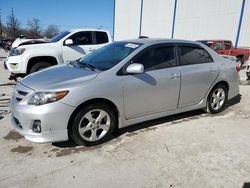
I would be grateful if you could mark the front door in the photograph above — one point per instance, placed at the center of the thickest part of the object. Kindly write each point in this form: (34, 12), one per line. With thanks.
(82, 45)
(157, 89)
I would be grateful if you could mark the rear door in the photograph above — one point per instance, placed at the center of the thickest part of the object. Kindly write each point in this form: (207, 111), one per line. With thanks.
(198, 74)
(155, 90)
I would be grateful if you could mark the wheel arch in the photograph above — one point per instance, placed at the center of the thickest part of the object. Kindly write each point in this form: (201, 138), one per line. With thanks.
(32, 61)
(93, 101)
(225, 83)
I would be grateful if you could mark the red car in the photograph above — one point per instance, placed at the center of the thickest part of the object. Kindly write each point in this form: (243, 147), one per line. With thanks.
(225, 47)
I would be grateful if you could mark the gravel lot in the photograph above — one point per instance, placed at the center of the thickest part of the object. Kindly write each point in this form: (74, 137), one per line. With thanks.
(192, 149)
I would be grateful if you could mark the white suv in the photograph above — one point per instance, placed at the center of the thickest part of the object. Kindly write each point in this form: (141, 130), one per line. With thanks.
(34, 55)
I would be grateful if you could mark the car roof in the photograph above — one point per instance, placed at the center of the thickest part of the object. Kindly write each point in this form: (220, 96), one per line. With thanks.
(86, 29)
(150, 41)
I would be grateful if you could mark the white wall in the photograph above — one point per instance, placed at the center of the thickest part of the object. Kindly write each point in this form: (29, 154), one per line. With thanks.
(127, 19)
(202, 19)
(244, 39)
(195, 19)
(157, 18)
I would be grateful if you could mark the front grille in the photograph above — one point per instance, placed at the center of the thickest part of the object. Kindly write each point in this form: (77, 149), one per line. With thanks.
(22, 93)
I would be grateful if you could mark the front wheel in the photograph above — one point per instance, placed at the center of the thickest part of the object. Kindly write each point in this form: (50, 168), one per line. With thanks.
(93, 124)
(217, 99)
(40, 66)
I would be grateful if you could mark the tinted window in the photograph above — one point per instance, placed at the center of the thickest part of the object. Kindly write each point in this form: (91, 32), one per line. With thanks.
(227, 45)
(82, 38)
(101, 37)
(192, 55)
(217, 46)
(110, 55)
(157, 58)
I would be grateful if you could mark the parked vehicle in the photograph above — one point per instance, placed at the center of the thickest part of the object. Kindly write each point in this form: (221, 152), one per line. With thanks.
(119, 85)
(225, 47)
(6, 43)
(34, 55)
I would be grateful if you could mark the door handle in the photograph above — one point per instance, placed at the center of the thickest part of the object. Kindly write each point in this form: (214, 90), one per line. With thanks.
(175, 75)
(91, 49)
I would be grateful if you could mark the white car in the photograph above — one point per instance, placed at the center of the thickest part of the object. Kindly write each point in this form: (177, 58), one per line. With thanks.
(34, 55)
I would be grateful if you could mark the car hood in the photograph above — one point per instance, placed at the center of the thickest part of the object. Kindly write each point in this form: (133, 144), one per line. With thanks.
(58, 77)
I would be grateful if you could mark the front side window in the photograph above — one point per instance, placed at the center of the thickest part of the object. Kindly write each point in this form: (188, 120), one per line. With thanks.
(193, 55)
(101, 37)
(110, 55)
(157, 58)
(82, 38)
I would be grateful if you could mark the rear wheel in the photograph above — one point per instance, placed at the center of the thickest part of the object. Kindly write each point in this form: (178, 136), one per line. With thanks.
(217, 99)
(40, 66)
(93, 124)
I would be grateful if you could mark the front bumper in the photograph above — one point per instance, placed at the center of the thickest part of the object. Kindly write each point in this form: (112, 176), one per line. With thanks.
(15, 65)
(54, 119)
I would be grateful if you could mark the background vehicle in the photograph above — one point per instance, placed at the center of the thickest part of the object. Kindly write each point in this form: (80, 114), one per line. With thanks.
(6, 43)
(34, 55)
(119, 85)
(225, 47)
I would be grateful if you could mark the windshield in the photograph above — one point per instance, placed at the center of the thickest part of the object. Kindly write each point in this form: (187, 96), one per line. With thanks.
(109, 56)
(59, 37)
(206, 42)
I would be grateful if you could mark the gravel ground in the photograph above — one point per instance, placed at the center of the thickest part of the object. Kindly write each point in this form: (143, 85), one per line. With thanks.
(192, 149)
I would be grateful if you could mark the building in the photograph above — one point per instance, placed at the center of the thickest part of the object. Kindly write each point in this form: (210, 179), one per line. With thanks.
(183, 19)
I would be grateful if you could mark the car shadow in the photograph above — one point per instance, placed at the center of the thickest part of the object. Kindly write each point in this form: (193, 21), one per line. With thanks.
(246, 185)
(187, 116)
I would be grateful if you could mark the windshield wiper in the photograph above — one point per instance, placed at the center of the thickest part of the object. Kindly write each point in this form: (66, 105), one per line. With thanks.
(91, 67)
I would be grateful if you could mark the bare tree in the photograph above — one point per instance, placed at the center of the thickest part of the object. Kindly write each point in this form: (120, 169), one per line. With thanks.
(34, 28)
(51, 31)
(13, 25)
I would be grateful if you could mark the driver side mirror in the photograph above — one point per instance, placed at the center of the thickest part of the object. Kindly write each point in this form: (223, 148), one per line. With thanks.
(68, 42)
(135, 68)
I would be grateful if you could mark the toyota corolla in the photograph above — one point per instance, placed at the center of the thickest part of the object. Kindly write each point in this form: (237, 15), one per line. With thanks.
(119, 85)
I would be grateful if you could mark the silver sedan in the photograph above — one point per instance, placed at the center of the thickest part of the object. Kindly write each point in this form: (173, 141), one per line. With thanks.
(119, 85)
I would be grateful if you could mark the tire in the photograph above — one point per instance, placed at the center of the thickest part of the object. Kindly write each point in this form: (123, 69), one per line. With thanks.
(40, 66)
(87, 130)
(217, 99)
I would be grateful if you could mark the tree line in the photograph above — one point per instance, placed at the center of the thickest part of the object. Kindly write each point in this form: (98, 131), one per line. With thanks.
(34, 29)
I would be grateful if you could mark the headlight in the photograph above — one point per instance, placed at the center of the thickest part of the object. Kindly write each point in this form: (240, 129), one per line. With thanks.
(40, 98)
(16, 51)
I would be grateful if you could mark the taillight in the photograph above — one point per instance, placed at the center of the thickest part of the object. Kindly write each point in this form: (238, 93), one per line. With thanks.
(238, 67)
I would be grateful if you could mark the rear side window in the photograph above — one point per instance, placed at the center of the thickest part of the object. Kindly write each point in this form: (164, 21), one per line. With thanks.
(157, 58)
(227, 45)
(193, 55)
(101, 37)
